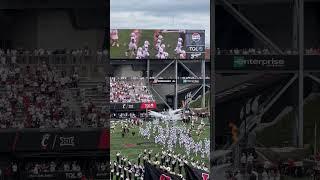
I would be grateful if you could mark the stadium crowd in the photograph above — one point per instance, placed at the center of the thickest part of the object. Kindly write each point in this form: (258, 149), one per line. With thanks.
(52, 168)
(263, 51)
(37, 168)
(37, 97)
(45, 52)
(94, 116)
(253, 168)
(129, 90)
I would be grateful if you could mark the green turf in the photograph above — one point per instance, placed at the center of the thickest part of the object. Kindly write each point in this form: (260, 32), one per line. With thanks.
(170, 40)
(284, 128)
(124, 38)
(119, 144)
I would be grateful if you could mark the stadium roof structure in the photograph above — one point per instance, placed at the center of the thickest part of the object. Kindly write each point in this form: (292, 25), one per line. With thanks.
(297, 42)
(257, 84)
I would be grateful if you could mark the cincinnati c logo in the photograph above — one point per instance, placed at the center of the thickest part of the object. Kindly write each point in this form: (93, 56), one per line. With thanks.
(205, 176)
(164, 177)
(44, 141)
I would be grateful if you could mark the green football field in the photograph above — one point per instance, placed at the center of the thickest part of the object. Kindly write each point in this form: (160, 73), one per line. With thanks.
(131, 146)
(170, 40)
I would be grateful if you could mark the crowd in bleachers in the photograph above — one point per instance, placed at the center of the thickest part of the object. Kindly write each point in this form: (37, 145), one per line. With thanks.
(254, 168)
(264, 51)
(36, 168)
(51, 168)
(313, 51)
(45, 52)
(129, 90)
(61, 56)
(37, 97)
(37, 93)
(94, 116)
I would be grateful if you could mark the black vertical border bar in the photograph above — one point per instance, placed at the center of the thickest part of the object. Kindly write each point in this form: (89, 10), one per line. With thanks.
(108, 70)
(212, 79)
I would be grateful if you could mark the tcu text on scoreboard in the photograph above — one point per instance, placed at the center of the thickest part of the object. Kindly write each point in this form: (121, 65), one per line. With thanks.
(195, 44)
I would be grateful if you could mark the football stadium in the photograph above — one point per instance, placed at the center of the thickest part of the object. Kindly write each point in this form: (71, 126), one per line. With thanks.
(160, 117)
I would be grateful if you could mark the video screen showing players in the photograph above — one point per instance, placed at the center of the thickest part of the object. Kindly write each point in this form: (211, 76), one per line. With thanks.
(162, 44)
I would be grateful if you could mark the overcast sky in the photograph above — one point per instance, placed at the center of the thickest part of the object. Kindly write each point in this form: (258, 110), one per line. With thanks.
(161, 14)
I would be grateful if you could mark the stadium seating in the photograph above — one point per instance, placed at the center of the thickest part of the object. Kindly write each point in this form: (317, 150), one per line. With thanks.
(129, 90)
(41, 96)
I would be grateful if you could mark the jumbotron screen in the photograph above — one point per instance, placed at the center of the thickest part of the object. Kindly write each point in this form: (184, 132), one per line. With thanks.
(164, 44)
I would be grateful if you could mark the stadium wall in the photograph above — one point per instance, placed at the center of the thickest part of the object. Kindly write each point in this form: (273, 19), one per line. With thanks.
(56, 31)
(51, 29)
(24, 30)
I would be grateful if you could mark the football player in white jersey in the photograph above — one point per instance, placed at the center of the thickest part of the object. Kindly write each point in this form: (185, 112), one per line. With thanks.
(160, 55)
(133, 35)
(146, 43)
(132, 45)
(158, 44)
(163, 55)
(179, 46)
(160, 37)
(183, 55)
(160, 51)
(166, 55)
(114, 37)
(162, 47)
(145, 51)
(139, 53)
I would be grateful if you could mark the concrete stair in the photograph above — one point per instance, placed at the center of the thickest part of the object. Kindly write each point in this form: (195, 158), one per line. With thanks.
(98, 97)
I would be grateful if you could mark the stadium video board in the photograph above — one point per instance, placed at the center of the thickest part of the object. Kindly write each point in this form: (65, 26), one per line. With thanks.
(138, 44)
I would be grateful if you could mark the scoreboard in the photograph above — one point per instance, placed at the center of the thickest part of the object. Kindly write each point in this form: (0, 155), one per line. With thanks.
(195, 44)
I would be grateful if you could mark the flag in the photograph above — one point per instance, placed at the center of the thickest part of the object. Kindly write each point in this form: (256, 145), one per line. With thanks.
(151, 172)
(195, 174)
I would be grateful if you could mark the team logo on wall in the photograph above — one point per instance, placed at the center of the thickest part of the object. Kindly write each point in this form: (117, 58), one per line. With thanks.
(196, 37)
(44, 141)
